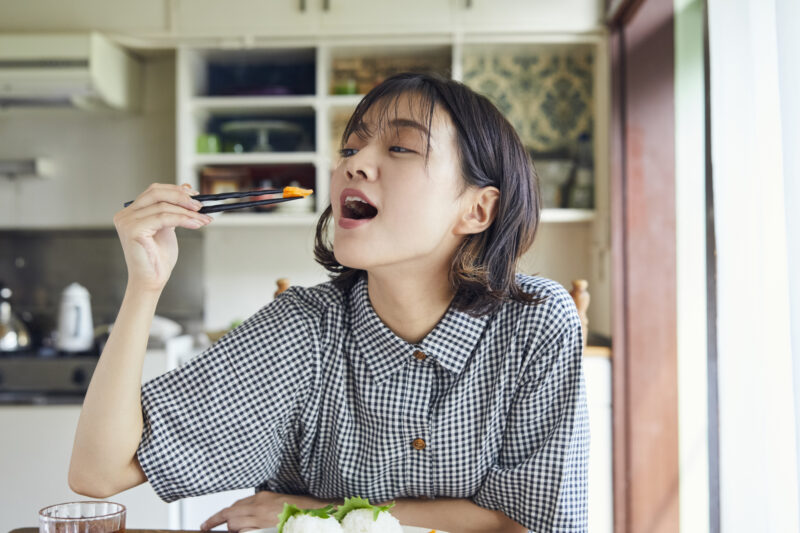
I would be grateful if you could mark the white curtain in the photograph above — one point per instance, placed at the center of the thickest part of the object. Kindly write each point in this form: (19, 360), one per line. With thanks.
(788, 29)
(755, 170)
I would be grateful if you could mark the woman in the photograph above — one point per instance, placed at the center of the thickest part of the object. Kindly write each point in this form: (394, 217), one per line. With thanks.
(426, 372)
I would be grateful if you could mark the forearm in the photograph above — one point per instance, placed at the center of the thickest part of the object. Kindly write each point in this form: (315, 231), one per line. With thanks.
(453, 515)
(110, 424)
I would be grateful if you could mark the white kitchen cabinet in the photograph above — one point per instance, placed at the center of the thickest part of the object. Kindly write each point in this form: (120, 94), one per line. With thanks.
(308, 18)
(233, 18)
(35, 449)
(564, 16)
(343, 18)
(142, 16)
(380, 17)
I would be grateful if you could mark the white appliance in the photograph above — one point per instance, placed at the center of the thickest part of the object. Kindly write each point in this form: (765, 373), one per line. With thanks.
(85, 70)
(75, 326)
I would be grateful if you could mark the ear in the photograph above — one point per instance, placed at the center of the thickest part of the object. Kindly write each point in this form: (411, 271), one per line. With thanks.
(480, 210)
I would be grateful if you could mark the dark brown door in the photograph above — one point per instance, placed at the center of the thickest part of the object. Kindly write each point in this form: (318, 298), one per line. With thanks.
(644, 303)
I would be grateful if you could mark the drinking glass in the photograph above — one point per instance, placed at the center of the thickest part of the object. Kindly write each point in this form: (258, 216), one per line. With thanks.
(83, 517)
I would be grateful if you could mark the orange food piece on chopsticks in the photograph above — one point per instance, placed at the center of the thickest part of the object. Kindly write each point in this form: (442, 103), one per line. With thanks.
(296, 192)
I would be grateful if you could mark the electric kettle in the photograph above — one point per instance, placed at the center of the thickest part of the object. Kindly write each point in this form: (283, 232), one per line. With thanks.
(75, 327)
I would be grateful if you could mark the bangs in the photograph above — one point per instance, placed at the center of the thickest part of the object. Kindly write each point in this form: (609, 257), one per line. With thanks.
(388, 109)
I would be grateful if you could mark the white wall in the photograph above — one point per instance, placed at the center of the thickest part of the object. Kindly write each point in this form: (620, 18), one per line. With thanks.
(101, 159)
(243, 263)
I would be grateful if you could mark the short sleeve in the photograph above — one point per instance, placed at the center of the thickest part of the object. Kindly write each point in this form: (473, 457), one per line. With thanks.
(219, 422)
(540, 479)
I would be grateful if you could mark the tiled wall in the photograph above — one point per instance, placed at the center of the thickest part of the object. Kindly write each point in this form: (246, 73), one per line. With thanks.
(38, 265)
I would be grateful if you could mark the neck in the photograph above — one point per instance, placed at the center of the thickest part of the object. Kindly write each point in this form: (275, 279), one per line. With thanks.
(410, 306)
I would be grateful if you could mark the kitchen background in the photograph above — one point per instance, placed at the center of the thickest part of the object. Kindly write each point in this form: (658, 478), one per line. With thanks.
(257, 96)
(103, 158)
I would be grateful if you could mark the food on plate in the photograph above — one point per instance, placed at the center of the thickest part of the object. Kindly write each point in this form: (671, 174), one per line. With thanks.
(296, 520)
(357, 515)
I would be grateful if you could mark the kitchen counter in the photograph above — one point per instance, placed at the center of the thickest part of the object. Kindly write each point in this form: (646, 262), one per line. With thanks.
(59, 380)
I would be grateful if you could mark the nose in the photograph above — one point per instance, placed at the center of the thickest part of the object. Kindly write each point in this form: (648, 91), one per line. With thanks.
(362, 165)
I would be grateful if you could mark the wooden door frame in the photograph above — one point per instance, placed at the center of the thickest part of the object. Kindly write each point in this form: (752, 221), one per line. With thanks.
(644, 306)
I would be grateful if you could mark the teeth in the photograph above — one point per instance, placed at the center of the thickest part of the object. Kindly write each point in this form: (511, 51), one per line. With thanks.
(354, 199)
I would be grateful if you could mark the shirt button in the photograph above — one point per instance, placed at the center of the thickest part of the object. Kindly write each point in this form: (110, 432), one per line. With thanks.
(418, 444)
(420, 356)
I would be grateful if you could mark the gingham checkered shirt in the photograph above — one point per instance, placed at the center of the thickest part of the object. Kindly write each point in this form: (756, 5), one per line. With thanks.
(315, 395)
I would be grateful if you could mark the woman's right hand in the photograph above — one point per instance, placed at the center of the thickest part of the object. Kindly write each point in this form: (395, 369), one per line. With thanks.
(146, 229)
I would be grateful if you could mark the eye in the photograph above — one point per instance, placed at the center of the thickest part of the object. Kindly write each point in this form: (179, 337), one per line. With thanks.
(347, 152)
(400, 150)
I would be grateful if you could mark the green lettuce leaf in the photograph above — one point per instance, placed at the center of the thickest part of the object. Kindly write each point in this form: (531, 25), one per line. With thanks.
(292, 510)
(351, 504)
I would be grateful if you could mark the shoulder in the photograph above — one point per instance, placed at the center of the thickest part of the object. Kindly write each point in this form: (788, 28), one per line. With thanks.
(316, 301)
(554, 316)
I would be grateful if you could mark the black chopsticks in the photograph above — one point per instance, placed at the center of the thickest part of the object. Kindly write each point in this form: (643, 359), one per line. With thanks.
(295, 191)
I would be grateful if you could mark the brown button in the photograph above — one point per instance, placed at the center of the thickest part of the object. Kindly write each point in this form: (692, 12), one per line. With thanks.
(420, 356)
(418, 444)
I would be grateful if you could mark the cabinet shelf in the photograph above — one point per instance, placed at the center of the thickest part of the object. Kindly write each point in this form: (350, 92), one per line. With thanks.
(233, 103)
(343, 100)
(261, 158)
(264, 219)
(301, 219)
(562, 215)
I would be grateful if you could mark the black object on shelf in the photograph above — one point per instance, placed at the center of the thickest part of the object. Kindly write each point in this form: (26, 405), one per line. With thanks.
(260, 78)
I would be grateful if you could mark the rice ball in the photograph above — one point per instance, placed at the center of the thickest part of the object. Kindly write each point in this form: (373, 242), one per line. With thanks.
(363, 521)
(303, 523)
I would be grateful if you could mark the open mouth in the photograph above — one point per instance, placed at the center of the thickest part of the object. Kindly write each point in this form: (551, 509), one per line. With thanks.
(358, 209)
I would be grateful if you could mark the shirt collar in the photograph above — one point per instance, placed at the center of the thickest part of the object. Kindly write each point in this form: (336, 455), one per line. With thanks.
(450, 343)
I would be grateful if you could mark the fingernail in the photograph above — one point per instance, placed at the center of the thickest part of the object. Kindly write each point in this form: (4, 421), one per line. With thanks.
(196, 204)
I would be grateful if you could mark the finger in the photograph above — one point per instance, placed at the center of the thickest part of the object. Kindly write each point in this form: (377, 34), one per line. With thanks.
(150, 225)
(244, 523)
(165, 207)
(161, 192)
(215, 520)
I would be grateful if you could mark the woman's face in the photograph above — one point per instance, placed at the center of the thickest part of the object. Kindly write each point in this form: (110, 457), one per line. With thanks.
(416, 202)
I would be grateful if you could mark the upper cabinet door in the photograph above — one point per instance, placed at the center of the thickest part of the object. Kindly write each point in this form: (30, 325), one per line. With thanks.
(378, 17)
(528, 15)
(146, 16)
(231, 18)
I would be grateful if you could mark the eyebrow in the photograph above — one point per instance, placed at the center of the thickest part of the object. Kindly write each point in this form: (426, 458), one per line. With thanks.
(408, 123)
(362, 128)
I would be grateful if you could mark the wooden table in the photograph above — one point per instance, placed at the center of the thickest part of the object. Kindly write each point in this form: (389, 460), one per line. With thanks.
(36, 530)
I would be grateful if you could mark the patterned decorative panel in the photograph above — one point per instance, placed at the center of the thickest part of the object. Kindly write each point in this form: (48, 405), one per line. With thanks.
(544, 90)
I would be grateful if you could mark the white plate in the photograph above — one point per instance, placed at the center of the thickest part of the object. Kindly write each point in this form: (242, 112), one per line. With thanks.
(406, 529)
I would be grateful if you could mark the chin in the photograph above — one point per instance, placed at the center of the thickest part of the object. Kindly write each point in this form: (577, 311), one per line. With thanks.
(357, 259)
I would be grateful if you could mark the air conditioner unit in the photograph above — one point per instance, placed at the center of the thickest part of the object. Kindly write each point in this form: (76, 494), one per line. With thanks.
(55, 70)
